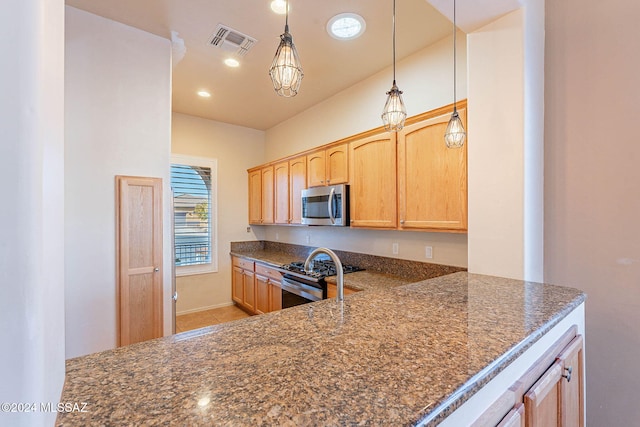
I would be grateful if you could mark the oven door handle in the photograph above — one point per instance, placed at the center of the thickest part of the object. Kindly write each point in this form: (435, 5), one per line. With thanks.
(330, 201)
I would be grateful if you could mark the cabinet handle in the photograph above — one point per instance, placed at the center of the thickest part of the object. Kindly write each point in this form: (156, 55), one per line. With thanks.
(322, 181)
(328, 181)
(569, 371)
(402, 221)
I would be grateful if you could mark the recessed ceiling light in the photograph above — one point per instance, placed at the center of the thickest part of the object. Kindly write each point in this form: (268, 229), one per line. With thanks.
(204, 94)
(279, 6)
(346, 26)
(232, 62)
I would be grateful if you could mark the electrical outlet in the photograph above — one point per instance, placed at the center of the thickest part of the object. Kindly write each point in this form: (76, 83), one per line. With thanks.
(394, 248)
(277, 236)
(428, 252)
(248, 229)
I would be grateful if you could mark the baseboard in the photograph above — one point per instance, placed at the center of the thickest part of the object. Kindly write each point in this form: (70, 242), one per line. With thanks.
(211, 307)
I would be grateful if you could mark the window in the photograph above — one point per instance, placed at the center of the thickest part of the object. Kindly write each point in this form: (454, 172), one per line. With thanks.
(193, 181)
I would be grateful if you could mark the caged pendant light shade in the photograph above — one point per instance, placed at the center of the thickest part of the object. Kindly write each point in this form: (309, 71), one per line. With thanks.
(286, 70)
(455, 134)
(394, 112)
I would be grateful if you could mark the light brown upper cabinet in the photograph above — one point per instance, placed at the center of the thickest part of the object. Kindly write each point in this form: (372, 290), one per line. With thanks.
(432, 179)
(261, 195)
(267, 195)
(255, 196)
(372, 180)
(281, 192)
(297, 182)
(328, 166)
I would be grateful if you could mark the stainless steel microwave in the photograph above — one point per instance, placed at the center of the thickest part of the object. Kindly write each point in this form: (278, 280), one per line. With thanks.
(326, 205)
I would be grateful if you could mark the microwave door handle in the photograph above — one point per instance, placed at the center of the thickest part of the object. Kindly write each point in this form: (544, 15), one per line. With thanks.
(330, 202)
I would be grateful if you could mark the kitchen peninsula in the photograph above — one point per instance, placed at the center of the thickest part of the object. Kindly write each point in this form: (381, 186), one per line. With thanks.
(406, 355)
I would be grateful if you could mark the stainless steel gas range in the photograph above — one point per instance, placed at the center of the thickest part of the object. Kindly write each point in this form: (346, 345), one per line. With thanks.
(300, 286)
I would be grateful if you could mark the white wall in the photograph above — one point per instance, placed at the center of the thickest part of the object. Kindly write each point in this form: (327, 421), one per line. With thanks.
(237, 149)
(118, 118)
(32, 211)
(592, 183)
(496, 148)
(426, 78)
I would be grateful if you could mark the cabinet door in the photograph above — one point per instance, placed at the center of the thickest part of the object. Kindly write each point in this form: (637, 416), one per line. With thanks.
(237, 285)
(543, 398)
(255, 196)
(316, 169)
(297, 182)
(372, 177)
(515, 417)
(262, 294)
(572, 384)
(249, 300)
(281, 193)
(267, 195)
(432, 179)
(275, 295)
(337, 164)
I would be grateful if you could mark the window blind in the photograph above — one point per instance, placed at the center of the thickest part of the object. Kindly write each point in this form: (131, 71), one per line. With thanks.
(192, 214)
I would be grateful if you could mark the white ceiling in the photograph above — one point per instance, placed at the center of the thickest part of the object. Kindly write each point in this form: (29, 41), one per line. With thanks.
(244, 96)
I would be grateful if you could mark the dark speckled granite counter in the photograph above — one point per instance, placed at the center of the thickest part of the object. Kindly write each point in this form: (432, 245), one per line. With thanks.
(380, 273)
(395, 356)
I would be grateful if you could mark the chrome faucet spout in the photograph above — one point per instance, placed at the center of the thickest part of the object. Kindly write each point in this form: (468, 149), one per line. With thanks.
(336, 261)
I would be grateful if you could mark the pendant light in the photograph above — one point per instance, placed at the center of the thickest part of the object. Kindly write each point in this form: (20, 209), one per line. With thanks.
(286, 69)
(454, 135)
(394, 111)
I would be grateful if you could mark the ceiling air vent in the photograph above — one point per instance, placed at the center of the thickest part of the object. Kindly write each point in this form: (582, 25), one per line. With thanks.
(231, 40)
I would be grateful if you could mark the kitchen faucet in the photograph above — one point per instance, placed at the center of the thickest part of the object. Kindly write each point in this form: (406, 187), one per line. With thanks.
(336, 261)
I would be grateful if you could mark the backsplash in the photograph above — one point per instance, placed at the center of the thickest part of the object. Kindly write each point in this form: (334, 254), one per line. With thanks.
(410, 269)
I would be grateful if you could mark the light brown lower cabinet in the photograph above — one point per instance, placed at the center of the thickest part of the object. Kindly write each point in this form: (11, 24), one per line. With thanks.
(242, 284)
(556, 399)
(550, 393)
(255, 287)
(515, 417)
(268, 289)
(332, 290)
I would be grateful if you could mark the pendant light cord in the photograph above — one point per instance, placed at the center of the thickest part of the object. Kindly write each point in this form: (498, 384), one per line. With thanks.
(454, 56)
(394, 42)
(286, 16)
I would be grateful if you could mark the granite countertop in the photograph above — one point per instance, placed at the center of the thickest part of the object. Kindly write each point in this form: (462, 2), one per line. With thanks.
(358, 281)
(395, 356)
(273, 258)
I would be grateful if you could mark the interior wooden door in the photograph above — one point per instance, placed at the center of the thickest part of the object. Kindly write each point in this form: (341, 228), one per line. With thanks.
(139, 258)
(432, 179)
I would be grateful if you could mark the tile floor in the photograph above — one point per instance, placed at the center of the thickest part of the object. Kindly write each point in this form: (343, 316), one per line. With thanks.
(200, 319)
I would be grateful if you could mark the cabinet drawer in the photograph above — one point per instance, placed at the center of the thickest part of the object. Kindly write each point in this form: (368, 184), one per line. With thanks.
(269, 272)
(243, 263)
